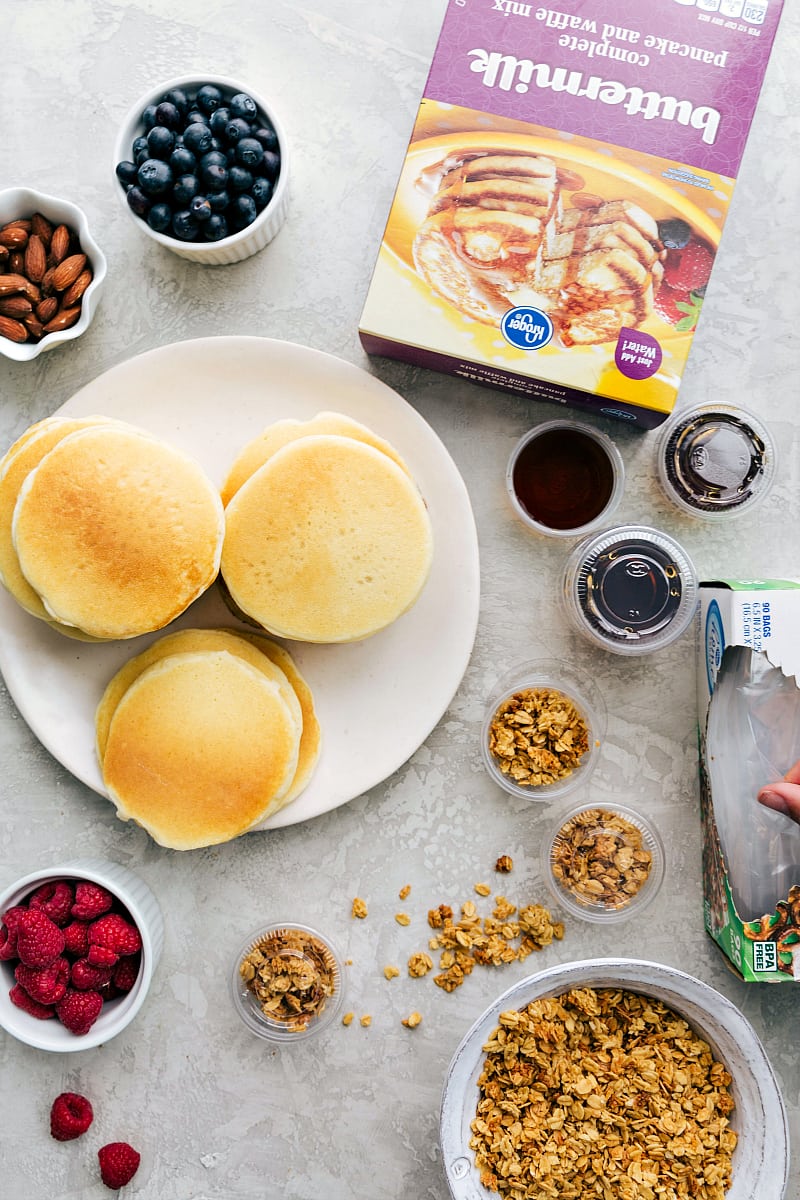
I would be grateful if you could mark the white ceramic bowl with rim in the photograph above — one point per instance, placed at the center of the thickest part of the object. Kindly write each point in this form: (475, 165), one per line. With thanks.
(245, 242)
(19, 202)
(761, 1158)
(135, 896)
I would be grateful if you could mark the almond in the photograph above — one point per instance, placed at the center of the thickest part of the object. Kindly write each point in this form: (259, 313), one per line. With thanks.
(63, 319)
(18, 223)
(15, 306)
(42, 228)
(34, 326)
(14, 237)
(35, 258)
(9, 284)
(68, 271)
(13, 330)
(48, 287)
(16, 262)
(46, 309)
(3, 257)
(59, 244)
(74, 294)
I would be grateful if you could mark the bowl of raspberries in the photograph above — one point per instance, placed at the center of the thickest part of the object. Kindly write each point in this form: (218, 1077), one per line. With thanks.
(201, 166)
(78, 946)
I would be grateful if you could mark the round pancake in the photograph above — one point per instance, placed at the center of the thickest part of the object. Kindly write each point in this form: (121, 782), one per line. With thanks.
(19, 460)
(279, 434)
(200, 747)
(117, 531)
(328, 541)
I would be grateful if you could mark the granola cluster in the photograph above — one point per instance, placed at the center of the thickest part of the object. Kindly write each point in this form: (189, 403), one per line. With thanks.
(599, 856)
(602, 1093)
(489, 941)
(538, 736)
(292, 974)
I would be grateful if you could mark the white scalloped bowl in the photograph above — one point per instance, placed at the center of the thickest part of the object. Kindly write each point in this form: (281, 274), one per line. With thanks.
(761, 1158)
(19, 202)
(116, 1014)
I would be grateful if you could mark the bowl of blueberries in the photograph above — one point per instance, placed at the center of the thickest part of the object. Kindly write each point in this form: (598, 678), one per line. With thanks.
(201, 166)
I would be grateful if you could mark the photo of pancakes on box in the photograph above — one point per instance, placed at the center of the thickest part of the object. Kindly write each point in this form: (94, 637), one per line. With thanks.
(319, 534)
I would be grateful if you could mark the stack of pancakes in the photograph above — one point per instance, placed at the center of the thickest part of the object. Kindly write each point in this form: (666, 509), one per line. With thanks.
(206, 734)
(106, 532)
(327, 538)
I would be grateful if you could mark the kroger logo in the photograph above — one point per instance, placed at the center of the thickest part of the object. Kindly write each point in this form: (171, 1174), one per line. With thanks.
(526, 328)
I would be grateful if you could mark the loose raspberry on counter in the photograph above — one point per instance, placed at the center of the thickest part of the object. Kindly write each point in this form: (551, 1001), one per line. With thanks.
(18, 996)
(113, 932)
(55, 900)
(91, 901)
(70, 1116)
(39, 940)
(78, 1011)
(119, 1162)
(45, 985)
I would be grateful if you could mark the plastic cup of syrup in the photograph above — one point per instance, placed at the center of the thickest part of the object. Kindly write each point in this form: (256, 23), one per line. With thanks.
(716, 460)
(564, 478)
(630, 589)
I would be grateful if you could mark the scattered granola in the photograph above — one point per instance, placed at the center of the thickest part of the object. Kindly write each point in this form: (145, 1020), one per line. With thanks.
(405, 891)
(537, 736)
(600, 858)
(483, 889)
(359, 908)
(347, 1019)
(504, 864)
(292, 974)
(419, 964)
(438, 916)
(490, 941)
(391, 972)
(412, 1020)
(402, 918)
(602, 1093)
(366, 1020)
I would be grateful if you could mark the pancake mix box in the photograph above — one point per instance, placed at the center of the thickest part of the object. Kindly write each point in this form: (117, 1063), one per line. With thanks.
(749, 736)
(563, 194)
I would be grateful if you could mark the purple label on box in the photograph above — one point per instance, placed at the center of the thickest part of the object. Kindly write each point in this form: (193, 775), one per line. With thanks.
(676, 78)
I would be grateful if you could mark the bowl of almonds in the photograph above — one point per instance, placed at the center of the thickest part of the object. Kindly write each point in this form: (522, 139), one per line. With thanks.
(51, 273)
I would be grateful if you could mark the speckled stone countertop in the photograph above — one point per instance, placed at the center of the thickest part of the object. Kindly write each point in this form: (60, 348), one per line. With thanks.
(216, 1113)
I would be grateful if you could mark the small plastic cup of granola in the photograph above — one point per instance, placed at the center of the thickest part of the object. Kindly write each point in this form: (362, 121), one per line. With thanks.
(287, 982)
(543, 730)
(603, 861)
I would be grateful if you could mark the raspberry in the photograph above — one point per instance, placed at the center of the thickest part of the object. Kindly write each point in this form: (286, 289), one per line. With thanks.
(39, 940)
(85, 977)
(91, 901)
(99, 956)
(76, 939)
(21, 999)
(115, 933)
(70, 1116)
(78, 1011)
(125, 973)
(46, 985)
(119, 1162)
(54, 900)
(8, 932)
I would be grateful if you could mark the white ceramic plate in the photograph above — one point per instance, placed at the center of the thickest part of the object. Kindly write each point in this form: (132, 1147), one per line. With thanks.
(761, 1158)
(378, 699)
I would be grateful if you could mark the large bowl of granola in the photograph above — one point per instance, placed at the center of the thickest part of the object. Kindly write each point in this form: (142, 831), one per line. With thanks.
(613, 1077)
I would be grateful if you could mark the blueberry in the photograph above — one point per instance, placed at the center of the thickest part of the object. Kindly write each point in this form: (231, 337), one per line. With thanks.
(155, 176)
(219, 120)
(137, 201)
(184, 226)
(240, 179)
(267, 136)
(215, 177)
(216, 227)
(159, 217)
(178, 97)
(218, 145)
(216, 158)
(126, 172)
(160, 141)
(208, 97)
(236, 129)
(186, 188)
(262, 192)
(182, 161)
(149, 116)
(200, 209)
(219, 201)
(139, 144)
(242, 211)
(674, 233)
(168, 114)
(270, 165)
(196, 116)
(249, 152)
(242, 105)
(197, 138)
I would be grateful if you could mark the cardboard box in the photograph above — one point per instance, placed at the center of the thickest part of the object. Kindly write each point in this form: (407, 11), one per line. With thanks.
(556, 156)
(762, 947)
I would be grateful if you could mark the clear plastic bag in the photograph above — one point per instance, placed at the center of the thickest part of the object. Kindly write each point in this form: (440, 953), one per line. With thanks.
(752, 739)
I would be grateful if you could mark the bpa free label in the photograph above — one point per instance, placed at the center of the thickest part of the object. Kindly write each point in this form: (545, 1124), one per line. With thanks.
(526, 328)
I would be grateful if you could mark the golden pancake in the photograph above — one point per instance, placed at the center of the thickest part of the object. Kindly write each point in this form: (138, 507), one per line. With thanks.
(200, 747)
(279, 434)
(328, 541)
(117, 531)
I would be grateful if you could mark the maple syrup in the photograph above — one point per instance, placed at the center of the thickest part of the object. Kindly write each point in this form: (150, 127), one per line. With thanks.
(563, 477)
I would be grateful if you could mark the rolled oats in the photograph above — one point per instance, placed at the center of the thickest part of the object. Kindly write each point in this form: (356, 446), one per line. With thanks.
(537, 736)
(366, 1020)
(391, 972)
(347, 1019)
(402, 918)
(412, 1020)
(419, 964)
(359, 908)
(483, 889)
(504, 864)
(599, 856)
(404, 891)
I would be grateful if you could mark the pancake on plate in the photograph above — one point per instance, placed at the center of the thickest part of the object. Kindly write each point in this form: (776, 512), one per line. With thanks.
(200, 746)
(328, 541)
(116, 531)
